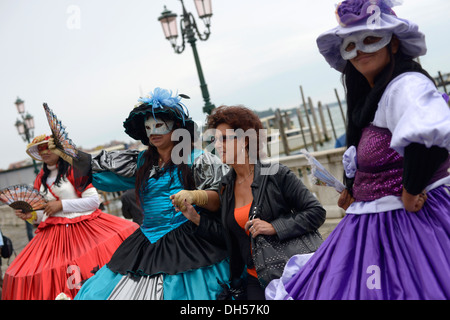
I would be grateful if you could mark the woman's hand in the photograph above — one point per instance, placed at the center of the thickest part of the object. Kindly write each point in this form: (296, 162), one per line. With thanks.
(258, 226)
(413, 203)
(189, 212)
(198, 197)
(345, 200)
(23, 216)
(53, 207)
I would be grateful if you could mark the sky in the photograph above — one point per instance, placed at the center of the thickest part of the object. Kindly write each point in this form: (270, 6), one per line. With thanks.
(90, 60)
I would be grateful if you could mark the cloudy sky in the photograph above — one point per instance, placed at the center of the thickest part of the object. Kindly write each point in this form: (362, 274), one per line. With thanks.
(90, 60)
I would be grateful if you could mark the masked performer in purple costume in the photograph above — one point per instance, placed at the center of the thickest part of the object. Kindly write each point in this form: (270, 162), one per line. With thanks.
(394, 242)
(168, 257)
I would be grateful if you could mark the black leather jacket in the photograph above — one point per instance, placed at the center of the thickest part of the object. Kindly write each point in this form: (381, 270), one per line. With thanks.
(287, 204)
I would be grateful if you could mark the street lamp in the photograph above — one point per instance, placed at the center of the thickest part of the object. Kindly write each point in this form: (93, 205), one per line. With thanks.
(20, 104)
(25, 129)
(189, 29)
(25, 126)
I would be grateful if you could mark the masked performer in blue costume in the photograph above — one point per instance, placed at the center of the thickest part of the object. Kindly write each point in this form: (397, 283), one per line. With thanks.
(169, 257)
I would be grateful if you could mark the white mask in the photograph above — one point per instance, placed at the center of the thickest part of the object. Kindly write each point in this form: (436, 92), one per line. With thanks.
(157, 126)
(361, 41)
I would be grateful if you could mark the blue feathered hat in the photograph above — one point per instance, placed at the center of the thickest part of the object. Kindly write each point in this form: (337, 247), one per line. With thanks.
(160, 103)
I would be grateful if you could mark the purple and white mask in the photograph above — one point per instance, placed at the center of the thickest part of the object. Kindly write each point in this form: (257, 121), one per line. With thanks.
(365, 41)
(158, 126)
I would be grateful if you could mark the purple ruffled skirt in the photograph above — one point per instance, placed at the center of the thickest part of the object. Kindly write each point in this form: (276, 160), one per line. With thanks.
(388, 255)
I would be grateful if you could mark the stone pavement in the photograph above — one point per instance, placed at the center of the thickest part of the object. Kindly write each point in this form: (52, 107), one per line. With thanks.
(329, 226)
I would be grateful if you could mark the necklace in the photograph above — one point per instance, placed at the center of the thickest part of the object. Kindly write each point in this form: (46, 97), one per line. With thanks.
(161, 163)
(240, 182)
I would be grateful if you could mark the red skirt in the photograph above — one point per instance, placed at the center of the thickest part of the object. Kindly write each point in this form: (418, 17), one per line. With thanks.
(62, 255)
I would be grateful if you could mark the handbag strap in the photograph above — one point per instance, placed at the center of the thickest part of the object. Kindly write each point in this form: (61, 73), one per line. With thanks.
(262, 186)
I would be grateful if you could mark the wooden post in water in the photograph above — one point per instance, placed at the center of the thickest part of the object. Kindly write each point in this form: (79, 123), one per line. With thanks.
(282, 132)
(313, 140)
(340, 105)
(322, 120)
(301, 124)
(316, 123)
(331, 121)
(287, 120)
(300, 118)
(442, 82)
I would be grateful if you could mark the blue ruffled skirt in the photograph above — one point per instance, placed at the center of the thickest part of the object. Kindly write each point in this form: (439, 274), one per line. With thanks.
(180, 265)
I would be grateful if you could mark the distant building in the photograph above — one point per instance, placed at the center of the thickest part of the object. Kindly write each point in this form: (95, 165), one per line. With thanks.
(19, 175)
(19, 164)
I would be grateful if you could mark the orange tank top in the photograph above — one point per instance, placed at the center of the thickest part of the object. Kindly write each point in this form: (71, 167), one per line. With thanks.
(241, 217)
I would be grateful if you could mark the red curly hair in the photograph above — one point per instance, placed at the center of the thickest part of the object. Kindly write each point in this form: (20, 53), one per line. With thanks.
(239, 117)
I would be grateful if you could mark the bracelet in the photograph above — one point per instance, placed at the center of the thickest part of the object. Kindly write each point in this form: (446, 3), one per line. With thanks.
(33, 218)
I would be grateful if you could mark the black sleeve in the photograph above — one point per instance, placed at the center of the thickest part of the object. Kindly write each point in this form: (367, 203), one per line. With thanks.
(211, 228)
(308, 214)
(420, 164)
(82, 170)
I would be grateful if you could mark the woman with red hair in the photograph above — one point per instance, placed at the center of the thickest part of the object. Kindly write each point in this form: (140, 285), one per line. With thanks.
(288, 209)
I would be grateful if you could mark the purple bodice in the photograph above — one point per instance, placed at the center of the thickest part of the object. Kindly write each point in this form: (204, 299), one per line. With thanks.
(380, 167)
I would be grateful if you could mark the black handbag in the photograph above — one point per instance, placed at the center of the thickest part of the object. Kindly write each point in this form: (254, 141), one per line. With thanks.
(270, 255)
(7, 248)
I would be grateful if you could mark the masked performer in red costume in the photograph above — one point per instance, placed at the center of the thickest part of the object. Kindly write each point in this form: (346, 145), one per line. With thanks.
(72, 238)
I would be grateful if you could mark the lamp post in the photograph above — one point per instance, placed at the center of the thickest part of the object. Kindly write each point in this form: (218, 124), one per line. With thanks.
(25, 126)
(25, 129)
(189, 29)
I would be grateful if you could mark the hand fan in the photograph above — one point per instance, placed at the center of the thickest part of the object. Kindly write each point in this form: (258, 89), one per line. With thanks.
(322, 176)
(60, 134)
(22, 197)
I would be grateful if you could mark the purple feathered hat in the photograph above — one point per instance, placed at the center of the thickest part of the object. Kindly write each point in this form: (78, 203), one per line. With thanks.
(369, 15)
